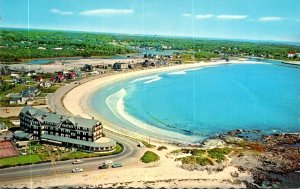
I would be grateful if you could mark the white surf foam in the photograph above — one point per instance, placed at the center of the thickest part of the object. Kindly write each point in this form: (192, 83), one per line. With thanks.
(145, 78)
(154, 79)
(115, 103)
(255, 62)
(177, 73)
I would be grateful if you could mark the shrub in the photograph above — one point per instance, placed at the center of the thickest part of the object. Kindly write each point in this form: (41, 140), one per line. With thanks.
(219, 153)
(162, 148)
(149, 157)
(196, 160)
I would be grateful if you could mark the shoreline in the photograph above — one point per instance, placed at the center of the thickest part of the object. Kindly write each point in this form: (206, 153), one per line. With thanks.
(77, 101)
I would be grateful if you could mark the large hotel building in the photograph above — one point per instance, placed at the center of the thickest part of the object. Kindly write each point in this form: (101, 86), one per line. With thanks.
(68, 131)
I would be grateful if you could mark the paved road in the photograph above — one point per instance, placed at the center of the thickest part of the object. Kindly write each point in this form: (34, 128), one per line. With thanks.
(128, 156)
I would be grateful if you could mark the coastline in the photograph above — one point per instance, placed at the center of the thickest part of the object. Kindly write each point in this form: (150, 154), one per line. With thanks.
(78, 100)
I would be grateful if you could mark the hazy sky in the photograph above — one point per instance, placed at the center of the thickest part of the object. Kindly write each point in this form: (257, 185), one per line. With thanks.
(239, 19)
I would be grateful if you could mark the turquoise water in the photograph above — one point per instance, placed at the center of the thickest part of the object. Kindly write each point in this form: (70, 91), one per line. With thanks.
(40, 61)
(194, 104)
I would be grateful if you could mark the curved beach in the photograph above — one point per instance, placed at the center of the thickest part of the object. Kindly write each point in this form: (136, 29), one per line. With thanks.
(77, 101)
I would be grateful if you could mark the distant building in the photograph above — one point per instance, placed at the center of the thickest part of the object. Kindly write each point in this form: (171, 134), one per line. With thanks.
(67, 131)
(39, 78)
(72, 75)
(14, 75)
(24, 97)
(29, 93)
(292, 55)
(88, 68)
(45, 84)
(14, 98)
(58, 48)
(120, 66)
(60, 78)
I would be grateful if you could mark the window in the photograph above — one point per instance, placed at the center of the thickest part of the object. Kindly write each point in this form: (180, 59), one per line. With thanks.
(83, 138)
(62, 135)
(78, 137)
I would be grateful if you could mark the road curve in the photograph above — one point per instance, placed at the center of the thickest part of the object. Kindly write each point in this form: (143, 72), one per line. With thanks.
(128, 156)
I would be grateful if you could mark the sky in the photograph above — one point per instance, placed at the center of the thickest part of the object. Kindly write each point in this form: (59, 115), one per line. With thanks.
(276, 20)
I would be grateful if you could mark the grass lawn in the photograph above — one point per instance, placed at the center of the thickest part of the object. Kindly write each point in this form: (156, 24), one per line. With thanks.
(6, 120)
(20, 160)
(149, 157)
(51, 89)
(42, 153)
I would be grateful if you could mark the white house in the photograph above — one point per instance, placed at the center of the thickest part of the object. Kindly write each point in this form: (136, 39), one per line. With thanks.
(291, 54)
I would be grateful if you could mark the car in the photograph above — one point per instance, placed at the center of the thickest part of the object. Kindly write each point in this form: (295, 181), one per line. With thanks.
(141, 145)
(103, 166)
(77, 170)
(116, 165)
(109, 162)
(77, 161)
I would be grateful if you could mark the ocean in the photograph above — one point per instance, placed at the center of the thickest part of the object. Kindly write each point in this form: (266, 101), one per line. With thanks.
(191, 105)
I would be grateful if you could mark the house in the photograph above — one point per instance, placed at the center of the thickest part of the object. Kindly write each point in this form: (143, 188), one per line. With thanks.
(14, 75)
(60, 78)
(52, 79)
(29, 94)
(67, 131)
(291, 54)
(14, 98)
(3, 128)
(39, 79)
(146, 63)
(120, 66)
(58, 48)
(45, 84)
(72, 75)
(88, 68)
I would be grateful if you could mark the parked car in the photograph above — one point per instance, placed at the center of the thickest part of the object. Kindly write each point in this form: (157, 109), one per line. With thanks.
(116, 165)
(77, 161)
(103, 166)
(109, 162)
(77, 170)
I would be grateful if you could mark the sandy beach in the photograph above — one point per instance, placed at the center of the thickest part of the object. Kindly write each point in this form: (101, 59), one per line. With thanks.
(77, 101)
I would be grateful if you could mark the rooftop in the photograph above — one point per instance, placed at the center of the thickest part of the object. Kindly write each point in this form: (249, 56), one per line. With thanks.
(52, 117)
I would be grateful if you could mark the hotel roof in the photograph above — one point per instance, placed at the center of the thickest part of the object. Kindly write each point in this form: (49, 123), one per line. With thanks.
(57, 119)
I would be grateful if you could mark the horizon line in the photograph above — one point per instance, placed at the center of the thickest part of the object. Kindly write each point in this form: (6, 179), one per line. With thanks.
(163, 35)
